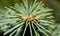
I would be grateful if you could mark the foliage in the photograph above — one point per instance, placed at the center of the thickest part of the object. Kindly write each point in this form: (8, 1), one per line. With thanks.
(15, 20)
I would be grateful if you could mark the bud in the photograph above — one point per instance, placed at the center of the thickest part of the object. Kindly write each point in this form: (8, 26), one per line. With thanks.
(30, 18)
(36, 17)
(24, 17)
